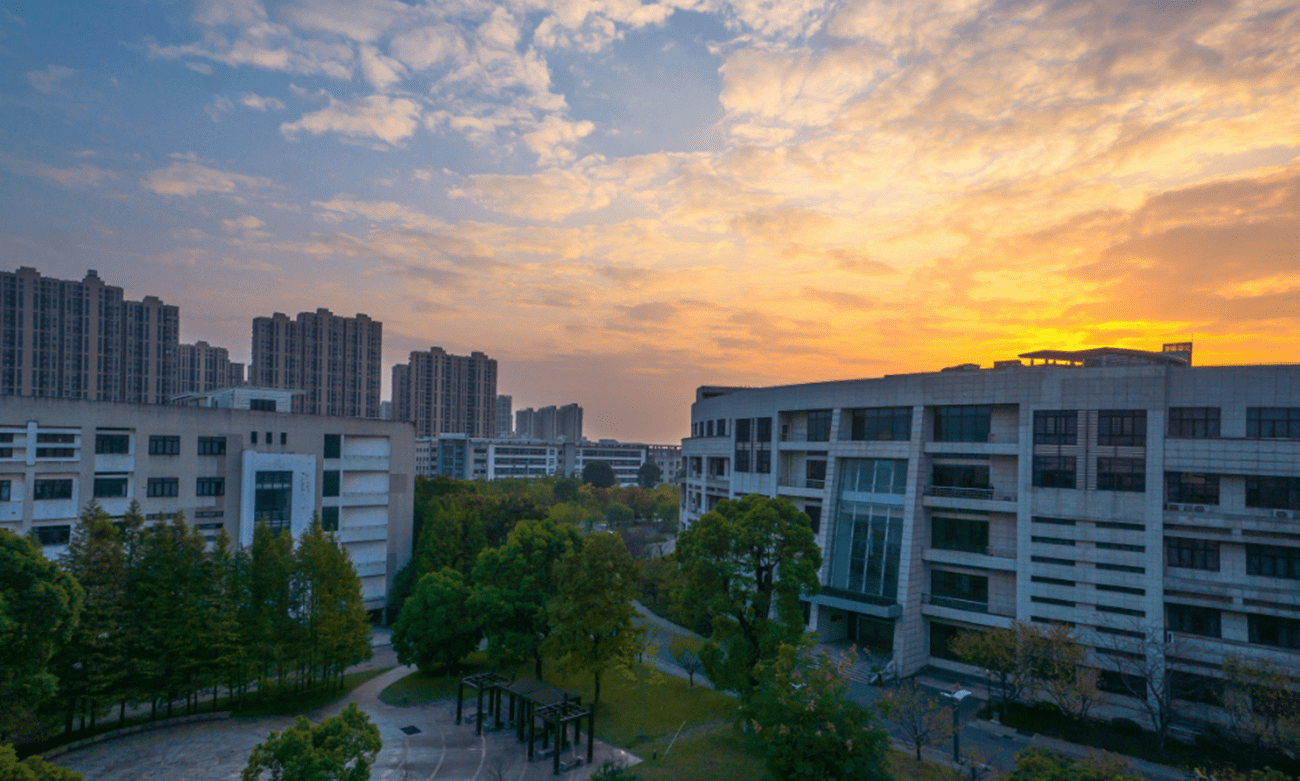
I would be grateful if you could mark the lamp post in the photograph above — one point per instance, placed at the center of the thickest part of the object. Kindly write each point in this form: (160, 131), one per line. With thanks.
(956, 698)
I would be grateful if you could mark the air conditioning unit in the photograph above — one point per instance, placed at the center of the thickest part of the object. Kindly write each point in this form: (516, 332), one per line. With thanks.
(1281, 514)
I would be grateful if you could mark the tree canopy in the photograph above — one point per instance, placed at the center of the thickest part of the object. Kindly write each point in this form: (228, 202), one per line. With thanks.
(745, 566)
(649, 475)
(599, 474)
(436, 627)
(340, 748)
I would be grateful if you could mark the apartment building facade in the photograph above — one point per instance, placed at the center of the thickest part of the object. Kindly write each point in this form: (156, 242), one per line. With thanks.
(201, 368)
(223, 468)
(505, 417)
(334, 360)
(1125, 493)
(477, 458)
(446, 394)
(83, 340)
(550, 423)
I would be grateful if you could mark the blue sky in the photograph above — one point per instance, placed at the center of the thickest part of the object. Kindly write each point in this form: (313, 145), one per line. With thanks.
(622, 200)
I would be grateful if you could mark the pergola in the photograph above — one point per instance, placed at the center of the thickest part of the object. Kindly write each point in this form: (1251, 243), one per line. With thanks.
(556, 719)
(489, 684)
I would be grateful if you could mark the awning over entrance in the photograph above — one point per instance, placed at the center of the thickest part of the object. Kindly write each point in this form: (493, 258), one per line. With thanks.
(853, 606)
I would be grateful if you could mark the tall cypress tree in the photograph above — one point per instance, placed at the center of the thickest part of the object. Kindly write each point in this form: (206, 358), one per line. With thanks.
(337, 617)
(273, 628)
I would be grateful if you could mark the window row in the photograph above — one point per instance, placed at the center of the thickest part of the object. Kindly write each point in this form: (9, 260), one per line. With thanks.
(1208, 622)
(1113, 474)
(1267, 561)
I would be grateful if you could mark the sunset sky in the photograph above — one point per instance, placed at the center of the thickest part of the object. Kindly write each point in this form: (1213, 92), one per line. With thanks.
(620, 201)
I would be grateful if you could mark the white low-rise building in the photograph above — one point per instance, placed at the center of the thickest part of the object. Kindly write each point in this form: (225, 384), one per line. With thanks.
(223, 468)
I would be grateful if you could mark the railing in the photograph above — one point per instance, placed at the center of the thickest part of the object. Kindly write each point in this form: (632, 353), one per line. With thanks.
(986, 494)
(996, 551)
(801, 482)
(969, 605)
(801, 436)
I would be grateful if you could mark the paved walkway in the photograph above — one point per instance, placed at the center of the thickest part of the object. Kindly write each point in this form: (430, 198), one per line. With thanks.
(438, 749)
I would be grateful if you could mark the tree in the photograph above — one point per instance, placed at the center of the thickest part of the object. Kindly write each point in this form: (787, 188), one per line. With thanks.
(452, 535)
(514, 583)
(998, 652)
(808, 726)
(1263, 707)
(1055, 661)
(919, 716)
(617, 514)
(649, 475)
(730, 560)
(436, 627)
(685, 651)
(40, 606)
(599, 474)
(574, 515)
(566, 489)
(1035, 764)
(592, 612)
(337, 628)
(1145, 675)
(32, 768)
(340, 748)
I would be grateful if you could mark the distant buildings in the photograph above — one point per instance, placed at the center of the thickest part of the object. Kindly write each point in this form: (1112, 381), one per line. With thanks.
(474, 458)
(446, 394)
(200, 368)
(550, 423)
(505, 419)
(335, 360)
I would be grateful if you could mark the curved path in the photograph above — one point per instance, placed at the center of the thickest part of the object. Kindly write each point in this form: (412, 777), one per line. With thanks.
(218, 751)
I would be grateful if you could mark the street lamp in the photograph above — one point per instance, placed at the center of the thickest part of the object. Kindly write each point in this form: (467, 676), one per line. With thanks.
(956, 698)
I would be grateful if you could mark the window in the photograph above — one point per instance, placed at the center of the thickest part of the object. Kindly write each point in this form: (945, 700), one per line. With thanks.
(1274, 631)
(1196, 688)
(1122, 427)
(814, 513)
(958, 588)
(742, 430)
(210, 486)
(1191, 488)
(44, 490)
(268, 438)
(330, 483)
(1194, 620)
(252, 437)
(1050, 560)
(329, 519)
(56, 452)
(273, 493)
(763, 428)
(213, 446)
(53, 535)
(261, 405)
(819, 425)
(1273, 561)
(1052, 581)
(1273, 422)
(814, 472)
(1052, 601)
(112, 444)
(1192, 554)
(1120, 568)
(1121, 546)
(961, 424)
(333, 445)
(1121, 474)
(960, 476)
(1129, 527)
(1056, 427)
(882, 424)
(284, 437)
(742, 460)
(873, 475)
(722, 428)
(941, 637)
(1052, 540)
(164, 487)
(708, 428)
(1121, 683)
(1277, 493)
(164, 446)
(110, 487)
(959, 534)
(56, 439)
(1122, 611)
(753, 445)
(1054, 521)
(1054, 471)
(6, 488)
(1193, 422)
(763, 462)
(1122, 589)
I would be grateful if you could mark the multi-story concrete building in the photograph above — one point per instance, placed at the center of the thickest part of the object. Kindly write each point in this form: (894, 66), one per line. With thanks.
(1122, 492)
(476, 458)
(223, 468)
(83, 340)
(201, 368)
(625, 458)
(669, 460)
(550, 423)
(334, 360)
(505, 418)
(446, 394)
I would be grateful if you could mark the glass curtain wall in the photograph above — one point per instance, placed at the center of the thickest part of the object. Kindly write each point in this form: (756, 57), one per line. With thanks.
(869, 527)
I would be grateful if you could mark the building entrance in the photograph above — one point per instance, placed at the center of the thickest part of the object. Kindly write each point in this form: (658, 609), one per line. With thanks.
(871, 633)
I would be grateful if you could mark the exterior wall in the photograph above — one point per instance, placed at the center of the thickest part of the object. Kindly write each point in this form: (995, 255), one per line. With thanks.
(505, 419)
(375, 465)
(201, 368)
(1089, 555)
(447, 394)
(334, 360)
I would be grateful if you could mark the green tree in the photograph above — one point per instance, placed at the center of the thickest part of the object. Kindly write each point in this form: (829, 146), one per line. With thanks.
(1055, 661)
(685, 650)
(1034, 764)
(436, 628)
(514, 583)
(340, 748)
(999, 653)
(808, 726)
(918, 715)
(93, 662)
(31, 769)
(745, 566)
(599, 474)
(337, 628)
(451, 535)
(649, 475)
(566, 489)
(1263, 708)
(574, 515)
(40, 606)
(269, 629)
(617, 514)
(592, 612)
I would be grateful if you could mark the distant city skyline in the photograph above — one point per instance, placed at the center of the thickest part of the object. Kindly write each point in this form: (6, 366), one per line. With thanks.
(620, 202)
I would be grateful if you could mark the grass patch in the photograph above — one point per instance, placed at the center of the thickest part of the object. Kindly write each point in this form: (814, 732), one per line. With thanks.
(718, 755)
(289, 703)
(421, 687)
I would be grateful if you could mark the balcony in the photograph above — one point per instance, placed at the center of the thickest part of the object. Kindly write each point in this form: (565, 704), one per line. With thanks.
(801, 482)
(968, 605)
(981, 494)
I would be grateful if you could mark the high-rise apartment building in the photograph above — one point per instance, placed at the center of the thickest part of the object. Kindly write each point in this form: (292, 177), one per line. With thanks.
(202, 368)
(446, 394)
(550, 423)
(335, 360)
(1144, 502)
(83, 340)
(504, 416)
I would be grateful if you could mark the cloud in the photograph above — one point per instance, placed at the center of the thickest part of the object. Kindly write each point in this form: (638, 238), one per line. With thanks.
(550, 195)
(220, 105)
(245, 223)
(259, 103)
(190, 178)
(424, 47)
(80, 177)
(48, 80)
(377, 116)
(836, 298)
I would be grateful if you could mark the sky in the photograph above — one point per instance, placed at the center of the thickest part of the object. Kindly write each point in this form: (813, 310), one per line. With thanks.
(623, 200)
